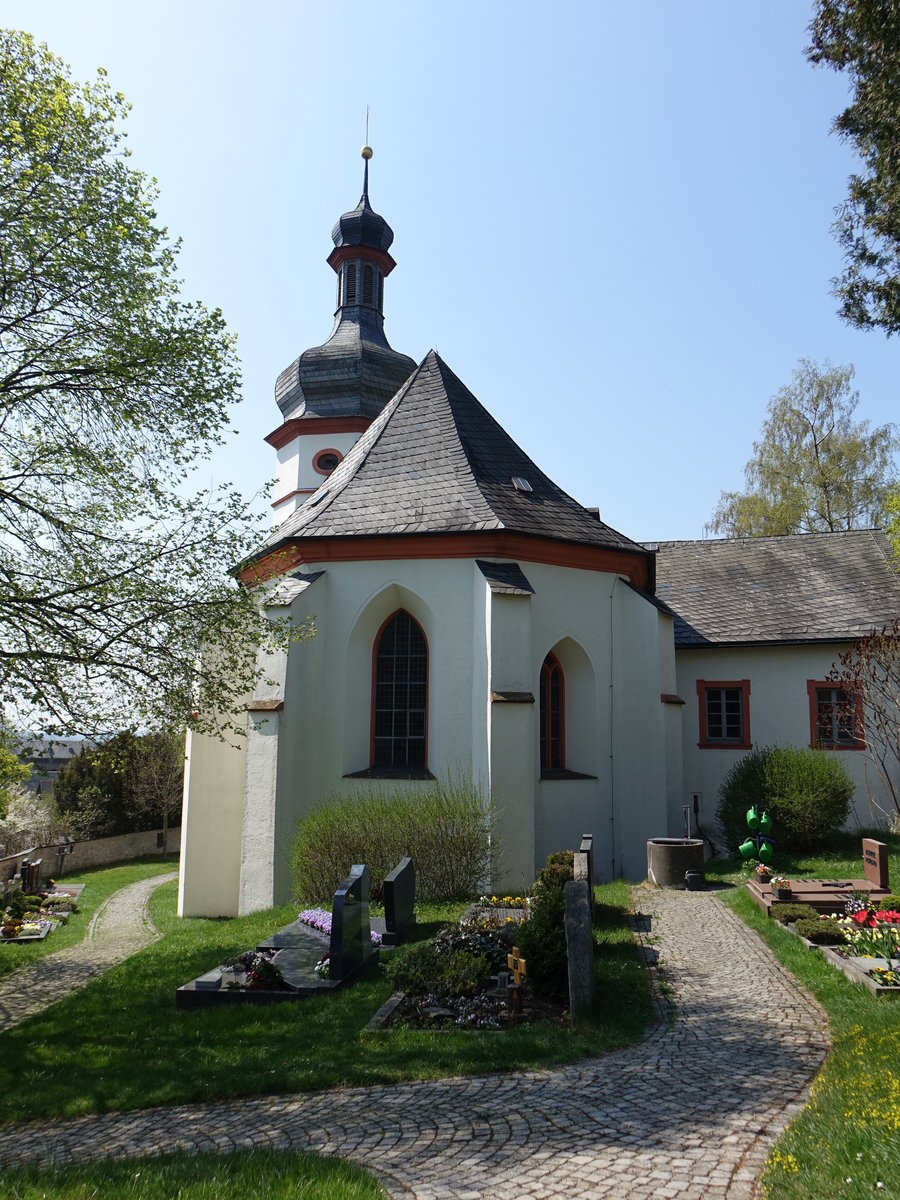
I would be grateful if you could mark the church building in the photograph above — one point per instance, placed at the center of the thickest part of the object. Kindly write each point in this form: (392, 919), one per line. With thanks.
(471, 617)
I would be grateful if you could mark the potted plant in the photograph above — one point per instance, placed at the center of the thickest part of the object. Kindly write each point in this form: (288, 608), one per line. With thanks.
(762, 872)
(781, 887)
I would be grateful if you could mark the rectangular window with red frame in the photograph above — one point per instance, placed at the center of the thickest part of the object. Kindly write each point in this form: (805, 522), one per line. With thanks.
(724, 713)
(835, 719)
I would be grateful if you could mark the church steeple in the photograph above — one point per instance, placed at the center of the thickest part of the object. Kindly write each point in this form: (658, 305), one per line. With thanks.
(332, 392)
(360, 256)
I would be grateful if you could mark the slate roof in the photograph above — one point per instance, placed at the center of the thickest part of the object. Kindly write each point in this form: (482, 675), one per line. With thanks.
(354, 373)
(435, 461)
(363, 226)
(810, 587)
(506, 578)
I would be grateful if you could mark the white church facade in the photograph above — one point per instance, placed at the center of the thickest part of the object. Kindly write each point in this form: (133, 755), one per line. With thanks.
(472, 617)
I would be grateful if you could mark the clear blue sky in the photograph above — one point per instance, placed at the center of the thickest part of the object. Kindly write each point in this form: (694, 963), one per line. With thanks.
(612, 220)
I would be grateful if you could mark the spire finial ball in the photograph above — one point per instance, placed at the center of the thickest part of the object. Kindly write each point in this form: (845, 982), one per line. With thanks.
(366, 152)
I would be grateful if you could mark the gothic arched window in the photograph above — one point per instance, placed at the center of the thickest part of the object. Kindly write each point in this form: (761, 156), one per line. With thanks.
(400, 701)
(553, 715)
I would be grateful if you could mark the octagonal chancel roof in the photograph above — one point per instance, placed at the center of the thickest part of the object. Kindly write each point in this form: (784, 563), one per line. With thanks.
(434, 462)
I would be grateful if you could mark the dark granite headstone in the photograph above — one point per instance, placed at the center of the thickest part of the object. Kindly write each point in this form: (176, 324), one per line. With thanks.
(875, 863)
(351, 937)
(399, 902)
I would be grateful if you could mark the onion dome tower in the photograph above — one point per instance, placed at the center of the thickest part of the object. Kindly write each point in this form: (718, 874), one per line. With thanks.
(332, 393)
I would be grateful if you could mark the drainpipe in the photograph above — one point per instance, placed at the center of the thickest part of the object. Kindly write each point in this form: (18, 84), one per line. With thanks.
(612, 772)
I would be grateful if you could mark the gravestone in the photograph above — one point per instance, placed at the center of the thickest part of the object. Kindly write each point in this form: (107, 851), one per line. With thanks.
(875, 863)
(580, 948)
(399, 902)
(351, 935)
(583, 866)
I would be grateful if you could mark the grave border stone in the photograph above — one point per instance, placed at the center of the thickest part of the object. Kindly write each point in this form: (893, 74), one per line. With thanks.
(580, 948)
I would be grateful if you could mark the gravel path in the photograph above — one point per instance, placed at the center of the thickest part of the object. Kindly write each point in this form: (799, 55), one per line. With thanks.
(119, 928)
(689, 1112)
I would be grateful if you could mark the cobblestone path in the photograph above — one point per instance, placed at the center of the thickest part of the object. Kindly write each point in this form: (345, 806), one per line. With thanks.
(689, 1112)
(119, 928)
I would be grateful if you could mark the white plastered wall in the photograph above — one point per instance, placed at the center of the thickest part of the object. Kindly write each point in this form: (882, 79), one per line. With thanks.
(324, 729)
(607, 640)
(779, 715)
(210, 866)
(294, 470)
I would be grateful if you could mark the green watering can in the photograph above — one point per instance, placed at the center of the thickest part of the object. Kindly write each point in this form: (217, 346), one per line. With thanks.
(752, 819)
(765, 823)
(747, 849)
(765, 852)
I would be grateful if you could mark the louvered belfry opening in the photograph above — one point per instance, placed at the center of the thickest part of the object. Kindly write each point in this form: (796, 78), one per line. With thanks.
(351, 283)
(401, 694)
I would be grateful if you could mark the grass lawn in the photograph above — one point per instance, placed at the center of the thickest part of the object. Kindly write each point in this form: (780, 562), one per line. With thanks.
(120, 1044)
(846, 1140)
(282, 1174)
(99, 886)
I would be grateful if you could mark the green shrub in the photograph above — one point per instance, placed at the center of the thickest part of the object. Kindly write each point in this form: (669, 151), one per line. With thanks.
(446, 826)
(424, 968)
(486, 938)
(820, 930)
(807, 793)
(19, 904)
(889, 902)
(786, 912)
(542, 938)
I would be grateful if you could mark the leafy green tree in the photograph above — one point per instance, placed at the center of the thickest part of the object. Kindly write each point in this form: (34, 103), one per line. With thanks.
(814, 468)
(14, 774)
(114, 572)
(126, 784)
(892, 522)
(862, 38)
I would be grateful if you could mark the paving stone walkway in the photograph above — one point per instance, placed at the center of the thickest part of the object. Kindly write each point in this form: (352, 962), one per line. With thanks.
(690, 1112)
(119, 928)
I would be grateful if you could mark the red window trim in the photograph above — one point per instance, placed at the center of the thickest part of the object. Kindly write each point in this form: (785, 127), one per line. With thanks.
(557, 665)
(387, 620)
(318, 454)
(859, 742)
(706, 743)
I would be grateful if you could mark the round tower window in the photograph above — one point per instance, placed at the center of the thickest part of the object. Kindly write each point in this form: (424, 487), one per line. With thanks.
(326, 460)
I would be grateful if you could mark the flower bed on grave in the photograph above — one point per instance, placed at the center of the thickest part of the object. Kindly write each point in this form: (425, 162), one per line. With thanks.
(462, 978)
(863, 942)
(30, 918)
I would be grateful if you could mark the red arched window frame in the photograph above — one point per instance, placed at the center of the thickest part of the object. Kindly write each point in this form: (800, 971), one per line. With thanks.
(399, 728)
(552, 715)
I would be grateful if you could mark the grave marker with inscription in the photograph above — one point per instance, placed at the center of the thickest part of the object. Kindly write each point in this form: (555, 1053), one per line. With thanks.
(875, 863)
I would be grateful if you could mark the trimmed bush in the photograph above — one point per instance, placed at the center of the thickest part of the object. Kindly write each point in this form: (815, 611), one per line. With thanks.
(820, 931)
(446, 826)
(886, 903)
(542, 938)
(807, 794)
(425, 968)
(786, 913)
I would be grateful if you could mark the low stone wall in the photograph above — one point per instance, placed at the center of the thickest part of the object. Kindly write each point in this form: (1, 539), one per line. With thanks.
(96, 853)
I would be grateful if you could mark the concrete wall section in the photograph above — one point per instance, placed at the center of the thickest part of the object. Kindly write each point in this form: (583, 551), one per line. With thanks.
(100, 852)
